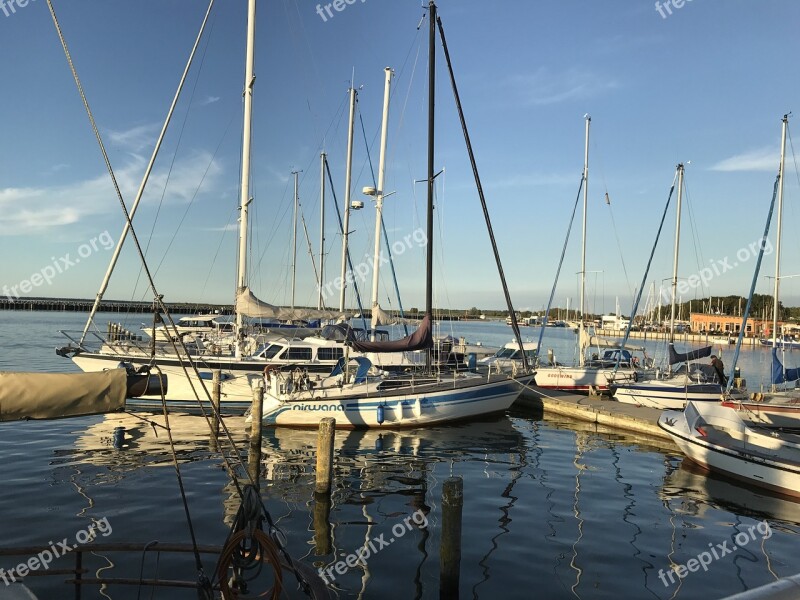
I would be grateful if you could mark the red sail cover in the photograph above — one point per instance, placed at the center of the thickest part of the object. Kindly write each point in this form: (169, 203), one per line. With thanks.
(421, 339)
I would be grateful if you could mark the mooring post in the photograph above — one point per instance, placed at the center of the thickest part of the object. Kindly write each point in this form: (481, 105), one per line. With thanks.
(327, 429)
(254, 456)
(216, 386)
(450, 550)
(323, 540)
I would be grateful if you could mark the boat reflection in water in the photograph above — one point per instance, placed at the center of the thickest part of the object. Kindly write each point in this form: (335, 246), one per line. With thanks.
(557, 504)
(697, 490)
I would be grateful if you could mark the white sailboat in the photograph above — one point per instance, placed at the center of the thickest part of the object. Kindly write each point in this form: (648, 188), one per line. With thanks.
(243, 359)
(780, 406)
(674, 388)
(358, 400)
(597, 373)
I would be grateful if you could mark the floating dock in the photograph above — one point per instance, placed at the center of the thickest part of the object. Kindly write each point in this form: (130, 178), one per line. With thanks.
(595, 409)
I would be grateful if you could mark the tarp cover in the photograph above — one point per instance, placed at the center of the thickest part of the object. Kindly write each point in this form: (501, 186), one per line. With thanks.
(421, 339)
(677, 357)
(248, 305)
(56, 395)
(381, 317)
(594, 341)
(779, 374)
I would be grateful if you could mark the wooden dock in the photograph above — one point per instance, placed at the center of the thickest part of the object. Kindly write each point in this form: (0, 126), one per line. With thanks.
(595, 409)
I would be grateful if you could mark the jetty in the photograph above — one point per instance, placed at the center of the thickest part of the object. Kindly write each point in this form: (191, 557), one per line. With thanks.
(600, 410)
(705, 338)
(120, 306)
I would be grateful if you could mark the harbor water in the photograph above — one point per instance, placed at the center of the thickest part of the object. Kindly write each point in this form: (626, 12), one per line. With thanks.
(551, 508)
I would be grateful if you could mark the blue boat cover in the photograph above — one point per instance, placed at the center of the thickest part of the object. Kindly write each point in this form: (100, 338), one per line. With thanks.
(779, 373)
(676, 357)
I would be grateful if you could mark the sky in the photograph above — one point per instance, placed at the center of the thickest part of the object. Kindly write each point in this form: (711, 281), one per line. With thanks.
(702, 83)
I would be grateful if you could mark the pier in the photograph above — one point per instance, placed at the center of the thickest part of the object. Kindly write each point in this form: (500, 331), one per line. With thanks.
(597, 409)
(685, 337)
(119, 306)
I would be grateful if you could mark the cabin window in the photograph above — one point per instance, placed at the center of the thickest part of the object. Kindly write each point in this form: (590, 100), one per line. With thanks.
(272, 351)
(303, 354)
(330, 353)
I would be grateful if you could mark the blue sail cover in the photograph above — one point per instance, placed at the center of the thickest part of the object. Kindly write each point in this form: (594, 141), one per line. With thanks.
(779, 374)
(676, 357)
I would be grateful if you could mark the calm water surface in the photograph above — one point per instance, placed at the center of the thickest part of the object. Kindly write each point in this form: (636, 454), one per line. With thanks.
(552, 508)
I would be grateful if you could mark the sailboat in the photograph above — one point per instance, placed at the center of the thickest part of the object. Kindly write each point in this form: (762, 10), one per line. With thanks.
(242, 361)
(675, 387)
(597, 373)
(780, 406)
(356, 399)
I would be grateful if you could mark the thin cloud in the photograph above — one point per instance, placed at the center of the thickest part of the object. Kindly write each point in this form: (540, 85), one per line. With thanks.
(26, 211)
(136, 139)
(545, 87)
(763, 159)
(209, 100)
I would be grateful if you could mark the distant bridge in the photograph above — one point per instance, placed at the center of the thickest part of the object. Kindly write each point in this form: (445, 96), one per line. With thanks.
(119, 306)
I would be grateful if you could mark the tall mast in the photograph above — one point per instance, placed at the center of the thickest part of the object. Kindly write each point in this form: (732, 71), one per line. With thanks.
(244, 201)
(379, 194)
(347, 183)
(675, 256)
(778, 235)
(294, 235)
(322, 158)
(581, 357)
(431, 130)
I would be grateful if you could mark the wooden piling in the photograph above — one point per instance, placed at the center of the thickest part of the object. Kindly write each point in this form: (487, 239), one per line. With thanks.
(254, 455)
(327, 428)
(216, 394)
(323, 538)
(450, 550)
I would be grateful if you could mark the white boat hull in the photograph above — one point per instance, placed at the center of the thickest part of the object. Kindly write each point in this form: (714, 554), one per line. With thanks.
(236, 393)
(667, 394)
(582, 379)
(740, 452)
(425, 405)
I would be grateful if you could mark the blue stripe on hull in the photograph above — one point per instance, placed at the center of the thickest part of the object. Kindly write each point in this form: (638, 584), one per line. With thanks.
(363, 413)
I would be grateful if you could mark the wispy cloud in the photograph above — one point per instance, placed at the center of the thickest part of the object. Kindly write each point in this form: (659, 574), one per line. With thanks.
(26, 211)
(546, 87)
(763, 159)
(209, 100)
(227, 227)
(136, 139)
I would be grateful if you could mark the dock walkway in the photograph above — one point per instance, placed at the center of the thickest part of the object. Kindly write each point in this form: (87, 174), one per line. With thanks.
(595, 409)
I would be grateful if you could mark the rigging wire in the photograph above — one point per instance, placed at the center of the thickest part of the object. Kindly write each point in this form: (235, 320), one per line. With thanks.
(635, 308)
(613, 223)
(558, 270)
(698, 249)
(161, 306)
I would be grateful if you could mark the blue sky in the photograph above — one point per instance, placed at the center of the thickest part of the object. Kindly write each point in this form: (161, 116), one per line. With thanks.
(706, 84)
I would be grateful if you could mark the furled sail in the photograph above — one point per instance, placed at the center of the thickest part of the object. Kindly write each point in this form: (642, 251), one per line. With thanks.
(594, 341)
(381, 317)
(249, 305)
(56, 395)
(421, 339)
(779, 373)
(677, 357)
